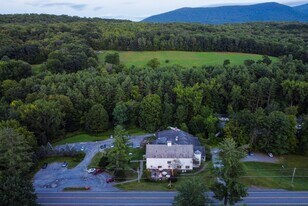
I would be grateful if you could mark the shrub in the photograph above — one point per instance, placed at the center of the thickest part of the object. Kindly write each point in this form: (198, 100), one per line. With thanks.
(103, 162)
(119, 175)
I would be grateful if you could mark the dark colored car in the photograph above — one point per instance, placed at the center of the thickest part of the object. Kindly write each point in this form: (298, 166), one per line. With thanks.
(108, 180)
(44, 165)
(64, 164)
(97, 171)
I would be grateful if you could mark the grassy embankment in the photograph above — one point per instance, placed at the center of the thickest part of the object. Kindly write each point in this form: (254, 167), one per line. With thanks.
(183, 58)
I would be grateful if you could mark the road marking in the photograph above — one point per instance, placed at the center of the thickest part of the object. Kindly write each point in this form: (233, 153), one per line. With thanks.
(305, 197)
(271, 204)
(158, 204)
(130, 197)
(107, 204)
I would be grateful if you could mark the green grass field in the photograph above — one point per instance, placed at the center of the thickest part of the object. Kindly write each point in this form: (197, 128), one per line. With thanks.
(84, 137)
(183, 58)
(270, 175)
(261, 175)
(144, 185)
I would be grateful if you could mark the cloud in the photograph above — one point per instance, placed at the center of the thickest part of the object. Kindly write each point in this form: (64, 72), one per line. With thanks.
(77, 7)
(295, 3)
(132, 18)
(128, 3)
(98, 8)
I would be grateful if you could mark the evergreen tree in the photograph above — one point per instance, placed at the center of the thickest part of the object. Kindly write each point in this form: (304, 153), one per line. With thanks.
(97, 119)
(228, 187)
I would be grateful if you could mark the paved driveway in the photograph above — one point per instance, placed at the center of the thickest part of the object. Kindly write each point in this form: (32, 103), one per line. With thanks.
(256, 157)
(55, 178)
(260, 157)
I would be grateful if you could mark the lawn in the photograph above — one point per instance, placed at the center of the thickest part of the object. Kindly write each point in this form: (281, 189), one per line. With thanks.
(270, 175)
(75, 189)
(137, 154)
(261, 175)
(84, 137)
(95, 160)
(163, 186)
(183, 58)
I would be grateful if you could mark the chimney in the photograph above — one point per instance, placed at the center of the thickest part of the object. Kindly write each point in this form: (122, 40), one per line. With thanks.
(169, 143)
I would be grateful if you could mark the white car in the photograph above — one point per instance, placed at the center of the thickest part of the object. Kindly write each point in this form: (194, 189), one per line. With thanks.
(82, 148)
(270, 155)
(91, 170)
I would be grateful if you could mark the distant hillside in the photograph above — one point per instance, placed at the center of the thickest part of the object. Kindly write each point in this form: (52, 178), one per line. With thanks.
(265, 12)
(302, 8)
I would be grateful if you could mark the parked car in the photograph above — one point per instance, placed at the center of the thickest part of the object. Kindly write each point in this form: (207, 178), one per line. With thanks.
(64, 164)
(97, 171)
(44, 165)
(82, 148)
(103, 146)
(250, 153)
(109, 180)
(91, 170)
(270, 155)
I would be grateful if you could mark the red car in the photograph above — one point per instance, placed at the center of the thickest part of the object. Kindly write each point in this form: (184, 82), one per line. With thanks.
(108, 180)
(97, 171)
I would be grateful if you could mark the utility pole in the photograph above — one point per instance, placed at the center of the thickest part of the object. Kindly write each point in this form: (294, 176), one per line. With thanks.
(293, 176)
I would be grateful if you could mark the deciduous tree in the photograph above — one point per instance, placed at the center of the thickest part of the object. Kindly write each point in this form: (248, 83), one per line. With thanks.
(192, 192)
(150, 112)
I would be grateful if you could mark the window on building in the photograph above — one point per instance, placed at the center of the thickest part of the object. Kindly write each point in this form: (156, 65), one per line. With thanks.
(187, 167)
(179, 167)
(160, 166)
(168, 162)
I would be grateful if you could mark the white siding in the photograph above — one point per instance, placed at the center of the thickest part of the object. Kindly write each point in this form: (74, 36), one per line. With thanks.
(155, 163)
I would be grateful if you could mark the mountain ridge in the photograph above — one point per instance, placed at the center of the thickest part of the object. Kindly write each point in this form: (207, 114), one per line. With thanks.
(302, 8)
(264, 12)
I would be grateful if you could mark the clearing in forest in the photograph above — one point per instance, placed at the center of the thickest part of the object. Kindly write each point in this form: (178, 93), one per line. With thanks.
(183, 58)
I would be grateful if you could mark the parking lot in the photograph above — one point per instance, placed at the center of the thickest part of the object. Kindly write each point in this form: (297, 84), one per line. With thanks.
(55, 177)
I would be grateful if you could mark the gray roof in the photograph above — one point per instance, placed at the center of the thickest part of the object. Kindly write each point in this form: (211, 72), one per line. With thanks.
(179, 137)
(165, 151)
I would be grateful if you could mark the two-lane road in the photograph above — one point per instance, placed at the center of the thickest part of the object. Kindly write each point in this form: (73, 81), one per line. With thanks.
(162, 198)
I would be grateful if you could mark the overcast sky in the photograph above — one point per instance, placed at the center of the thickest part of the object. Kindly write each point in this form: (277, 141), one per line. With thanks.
(120, 9)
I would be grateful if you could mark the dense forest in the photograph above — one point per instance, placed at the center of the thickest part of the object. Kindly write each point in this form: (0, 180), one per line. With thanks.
(73, 91)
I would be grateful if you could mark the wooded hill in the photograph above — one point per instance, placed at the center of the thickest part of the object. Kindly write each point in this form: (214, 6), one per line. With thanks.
(264, 12)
